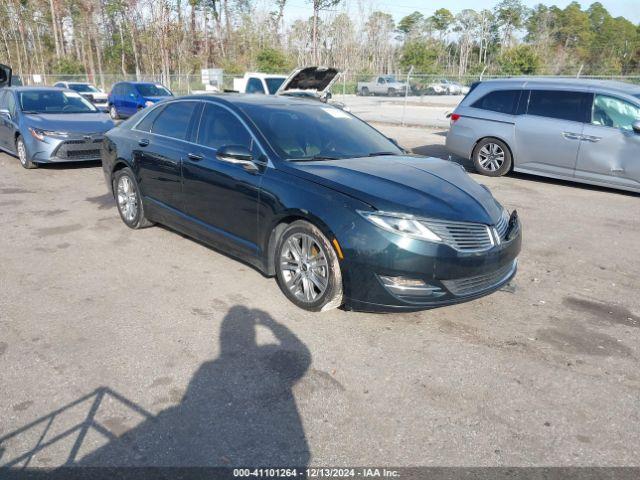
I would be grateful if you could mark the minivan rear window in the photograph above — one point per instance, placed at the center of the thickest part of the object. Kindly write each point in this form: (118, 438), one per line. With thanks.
(501, 101)
(561, 104)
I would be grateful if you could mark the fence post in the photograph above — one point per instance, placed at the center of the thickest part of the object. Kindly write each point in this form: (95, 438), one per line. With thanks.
(406, 94)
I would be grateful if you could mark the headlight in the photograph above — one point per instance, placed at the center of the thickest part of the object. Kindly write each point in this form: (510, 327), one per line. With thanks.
(401, 224)
(39, 134)
(148, 103)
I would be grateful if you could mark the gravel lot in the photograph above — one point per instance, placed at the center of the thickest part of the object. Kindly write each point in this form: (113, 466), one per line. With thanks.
(145, 347)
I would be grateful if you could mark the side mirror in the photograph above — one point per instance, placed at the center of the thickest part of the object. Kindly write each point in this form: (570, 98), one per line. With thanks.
(636, 127)
(238, 155)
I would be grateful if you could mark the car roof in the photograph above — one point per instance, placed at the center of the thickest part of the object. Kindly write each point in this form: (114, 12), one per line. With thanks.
(610, 85)
(250, 99)
(25, 88)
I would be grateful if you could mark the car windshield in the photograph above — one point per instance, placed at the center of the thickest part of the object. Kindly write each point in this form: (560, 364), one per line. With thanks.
(54, 101)
(318, 132)
(273, 84)
(151, 90)
(83, 88)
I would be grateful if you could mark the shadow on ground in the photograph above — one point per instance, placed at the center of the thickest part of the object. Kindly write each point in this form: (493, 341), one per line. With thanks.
(238, 409)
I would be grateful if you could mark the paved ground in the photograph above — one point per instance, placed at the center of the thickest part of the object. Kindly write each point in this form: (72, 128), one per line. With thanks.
(425, 111)
(138, 347)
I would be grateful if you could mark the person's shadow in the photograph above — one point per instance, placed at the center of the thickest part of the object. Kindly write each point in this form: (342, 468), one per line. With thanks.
(238, 409)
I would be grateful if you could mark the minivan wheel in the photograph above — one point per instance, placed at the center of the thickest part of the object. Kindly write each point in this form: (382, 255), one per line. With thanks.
(492, 157)
(128, 199)
(307, 268)
(113, 113)
(23, 155)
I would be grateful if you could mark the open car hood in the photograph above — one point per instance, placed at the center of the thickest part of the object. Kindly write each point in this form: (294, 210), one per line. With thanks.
(5, 76)
(315, 80)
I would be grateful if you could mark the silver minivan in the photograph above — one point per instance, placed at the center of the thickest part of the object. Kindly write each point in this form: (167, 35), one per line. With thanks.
(582, 130)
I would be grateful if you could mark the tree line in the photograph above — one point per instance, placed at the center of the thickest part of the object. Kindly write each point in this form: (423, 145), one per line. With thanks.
(168, 37)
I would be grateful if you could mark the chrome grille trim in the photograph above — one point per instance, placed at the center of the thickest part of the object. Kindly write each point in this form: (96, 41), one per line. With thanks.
(503, 224)
(462, 236)
(479, 283)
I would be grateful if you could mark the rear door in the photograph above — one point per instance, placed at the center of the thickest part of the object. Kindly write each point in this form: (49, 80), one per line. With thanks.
(610, 150)
(5, 76)
(129, 100)
(548, 135)
(159, 153)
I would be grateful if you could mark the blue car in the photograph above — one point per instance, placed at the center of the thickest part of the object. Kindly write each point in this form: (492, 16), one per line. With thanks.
(47, 124)
(315, 197)
(127, 98)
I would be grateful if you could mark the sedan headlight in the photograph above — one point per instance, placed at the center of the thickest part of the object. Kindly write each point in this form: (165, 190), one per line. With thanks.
(39, 134)
(401, 224)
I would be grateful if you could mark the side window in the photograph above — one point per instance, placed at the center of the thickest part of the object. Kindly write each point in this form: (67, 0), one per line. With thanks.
(560, 104)
(174, 120)
(501, 101)
(380, 80)
(117, 89)
(613, 112)
(255, 85)
(11, 104)
(219, 127)
(146, 123)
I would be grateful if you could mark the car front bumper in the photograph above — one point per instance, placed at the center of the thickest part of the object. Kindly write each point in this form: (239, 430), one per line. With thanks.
(74, 148)
(376, 276)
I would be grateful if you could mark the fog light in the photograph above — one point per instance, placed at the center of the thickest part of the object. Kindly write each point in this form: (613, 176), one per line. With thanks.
(410, 287)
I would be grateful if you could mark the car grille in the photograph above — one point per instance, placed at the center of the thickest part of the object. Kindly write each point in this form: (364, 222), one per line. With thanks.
(80, 149)
(469, 237)
(465, 237)
(479, 283)
(503, 224)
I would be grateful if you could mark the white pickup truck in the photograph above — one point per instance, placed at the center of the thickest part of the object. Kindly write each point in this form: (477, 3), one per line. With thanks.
(382, 85)
(254, 82)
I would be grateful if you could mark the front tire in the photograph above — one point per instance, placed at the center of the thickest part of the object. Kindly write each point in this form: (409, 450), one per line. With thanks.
(23, 154)
(307, 268)
(364, 92)
(129, 200)
(492, 157)
(113, 113)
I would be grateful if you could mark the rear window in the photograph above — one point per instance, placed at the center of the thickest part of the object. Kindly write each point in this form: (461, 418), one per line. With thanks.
(501, 101)
(563, 105)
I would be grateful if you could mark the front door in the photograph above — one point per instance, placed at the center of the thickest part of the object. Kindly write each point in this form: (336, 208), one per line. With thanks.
(610, 151)
(8, 120)
(129, 100)
(158, 155)
(221, 195)
(548, 134)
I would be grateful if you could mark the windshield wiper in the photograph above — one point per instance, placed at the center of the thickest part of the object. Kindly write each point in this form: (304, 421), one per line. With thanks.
(380, 154)
(314, 158)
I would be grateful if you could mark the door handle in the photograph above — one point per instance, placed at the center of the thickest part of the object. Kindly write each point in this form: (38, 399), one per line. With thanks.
(591, 139)
(195, 157)
(571, 136)
(143, 142)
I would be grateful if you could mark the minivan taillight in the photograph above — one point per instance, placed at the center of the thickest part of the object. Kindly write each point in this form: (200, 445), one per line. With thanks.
(454, 118)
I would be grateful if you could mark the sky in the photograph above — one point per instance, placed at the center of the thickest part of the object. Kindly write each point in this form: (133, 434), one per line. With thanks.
(399, 8)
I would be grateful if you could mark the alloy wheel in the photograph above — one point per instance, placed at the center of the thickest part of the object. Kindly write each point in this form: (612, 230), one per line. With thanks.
(491, 157)
(22, 152)
(127, 199)
(304, 267)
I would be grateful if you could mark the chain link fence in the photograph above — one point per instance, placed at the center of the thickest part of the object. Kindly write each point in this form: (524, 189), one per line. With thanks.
(426, 102)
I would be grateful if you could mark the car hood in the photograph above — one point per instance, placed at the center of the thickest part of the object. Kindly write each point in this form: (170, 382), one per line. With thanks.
(427, 187)
(69, 122)
(317, 80)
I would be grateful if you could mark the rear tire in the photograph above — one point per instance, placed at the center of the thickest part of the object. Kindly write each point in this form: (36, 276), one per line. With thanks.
(129, 200)
(113, 113)
(364, 92)
(391, 92)
(23, 154)
(307, 268)
(492, 157)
